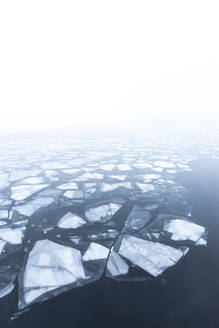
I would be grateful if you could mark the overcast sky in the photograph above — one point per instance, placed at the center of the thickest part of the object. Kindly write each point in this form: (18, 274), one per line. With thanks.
(92, 62)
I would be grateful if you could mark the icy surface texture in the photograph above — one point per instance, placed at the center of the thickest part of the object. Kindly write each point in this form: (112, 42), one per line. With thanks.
(78, 209)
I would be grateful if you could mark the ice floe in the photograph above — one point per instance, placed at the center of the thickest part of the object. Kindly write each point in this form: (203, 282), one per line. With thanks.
(153, 258)
(13, 236)
(145, 187)
(70, 221)
(6, 290)
(110, 187)
(66, 186)
(23, 191)
(116, 265)
(74, 194)
(51, 265)
(102, 212)
(32, 206)
(184, 230)
(95, 252)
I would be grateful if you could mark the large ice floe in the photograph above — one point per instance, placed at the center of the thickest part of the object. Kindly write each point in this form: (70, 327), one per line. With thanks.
(50, 266)
(75, 211)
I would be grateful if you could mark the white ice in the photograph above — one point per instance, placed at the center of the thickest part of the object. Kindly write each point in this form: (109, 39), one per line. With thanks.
(70, 221)
(2, 245)
(31, 207)
(3, 214)
(95, 214)
(52, 265)
(142, 165)
(66, 186)
(6, 290)
(184, 230)
(116, 265)
(13, 236)
(118, 177)
(110, 187)
(107, 167)
(152, 257)
(33, 180)
(21, 174)
(124, 167)
(74, 194)
(31, 295)
(3, 180)
(145, 187)
(163, 164)
(95, 252)
(23, 191)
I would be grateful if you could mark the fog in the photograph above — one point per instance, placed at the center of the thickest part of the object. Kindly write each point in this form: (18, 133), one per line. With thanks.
(96, 63)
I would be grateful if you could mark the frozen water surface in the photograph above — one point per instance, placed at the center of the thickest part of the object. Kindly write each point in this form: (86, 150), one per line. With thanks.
(74, 212)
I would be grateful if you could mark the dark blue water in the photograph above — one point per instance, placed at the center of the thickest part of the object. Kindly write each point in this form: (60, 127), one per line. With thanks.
(189, 298)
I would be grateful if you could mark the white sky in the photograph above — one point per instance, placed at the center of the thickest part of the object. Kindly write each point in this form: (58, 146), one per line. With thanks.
(86, 61)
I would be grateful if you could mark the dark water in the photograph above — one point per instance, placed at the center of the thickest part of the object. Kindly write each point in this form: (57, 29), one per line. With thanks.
(188, 299)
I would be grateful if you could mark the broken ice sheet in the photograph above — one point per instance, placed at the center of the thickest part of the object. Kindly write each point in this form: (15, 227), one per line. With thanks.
(142, 165)
(145, 187)
(71, 171)
(107, 167)
(13, 236)
(177, 229)
(32, 206)
(23, 191)
(3, 214)
(95, 252)
(21, 174)
(124, 167)
(54, 165)
(33, 180)
(116, 266)
(184, 230)
(149, 177)
(137, 219)
(3, 180)
(118, 177)
(89, 176)
(70, 221)
(2, 245)
(66, 186)
(74, 194)
(111, 187)
(153, 258)
(163, 164)
(102, 212)
(50, 265)
(6, 290)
